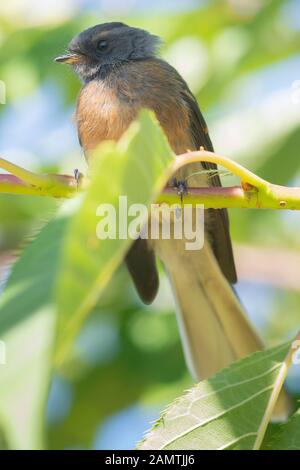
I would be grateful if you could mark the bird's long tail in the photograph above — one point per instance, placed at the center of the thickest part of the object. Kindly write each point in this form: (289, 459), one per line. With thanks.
(214, 328)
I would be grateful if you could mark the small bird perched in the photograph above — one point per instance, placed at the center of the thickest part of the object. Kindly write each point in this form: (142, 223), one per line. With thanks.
(122, 74)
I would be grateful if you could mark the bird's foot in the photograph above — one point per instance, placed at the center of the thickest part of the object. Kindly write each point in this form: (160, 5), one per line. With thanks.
(181, 187)
(78, 177)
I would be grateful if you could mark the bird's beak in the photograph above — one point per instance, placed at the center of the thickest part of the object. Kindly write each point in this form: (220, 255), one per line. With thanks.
(68, 58)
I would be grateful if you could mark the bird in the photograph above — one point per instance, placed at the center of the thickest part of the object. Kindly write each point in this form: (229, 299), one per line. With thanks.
(121, 73)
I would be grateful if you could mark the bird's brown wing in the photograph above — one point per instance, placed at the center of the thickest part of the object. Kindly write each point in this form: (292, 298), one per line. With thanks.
(219, 223)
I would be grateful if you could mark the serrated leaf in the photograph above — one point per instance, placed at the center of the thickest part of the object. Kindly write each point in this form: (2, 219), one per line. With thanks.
(223, 412)
(135, 168)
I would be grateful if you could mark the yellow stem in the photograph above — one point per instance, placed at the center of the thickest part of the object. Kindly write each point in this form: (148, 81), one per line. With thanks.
(254, 193)
(276, 392)
(245, 175)
(58, 186)
(25, 175)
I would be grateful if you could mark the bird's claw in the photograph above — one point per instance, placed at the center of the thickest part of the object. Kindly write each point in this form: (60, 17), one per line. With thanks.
(78, 176)
(181, 187)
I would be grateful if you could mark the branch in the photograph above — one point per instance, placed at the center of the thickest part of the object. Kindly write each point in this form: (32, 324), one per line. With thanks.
(254, 192)
(24, 182)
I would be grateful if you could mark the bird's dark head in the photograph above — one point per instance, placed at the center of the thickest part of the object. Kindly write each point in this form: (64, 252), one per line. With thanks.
(105, 45)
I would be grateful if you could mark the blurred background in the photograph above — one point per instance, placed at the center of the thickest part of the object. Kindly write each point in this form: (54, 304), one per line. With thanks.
(241, 59)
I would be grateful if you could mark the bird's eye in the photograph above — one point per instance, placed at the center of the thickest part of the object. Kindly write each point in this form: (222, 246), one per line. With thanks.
(102, 45)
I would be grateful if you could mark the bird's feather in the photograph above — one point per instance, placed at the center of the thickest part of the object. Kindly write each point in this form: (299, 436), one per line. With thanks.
(219, 224)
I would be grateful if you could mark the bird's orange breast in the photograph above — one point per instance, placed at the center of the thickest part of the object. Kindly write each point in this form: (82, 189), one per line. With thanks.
(106, 108)
(100, 115)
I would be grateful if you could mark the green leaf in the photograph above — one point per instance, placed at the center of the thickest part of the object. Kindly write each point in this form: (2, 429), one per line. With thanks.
(27, 327)
(284, 436)
(135, 168)
(269, 164)
(223, 412)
